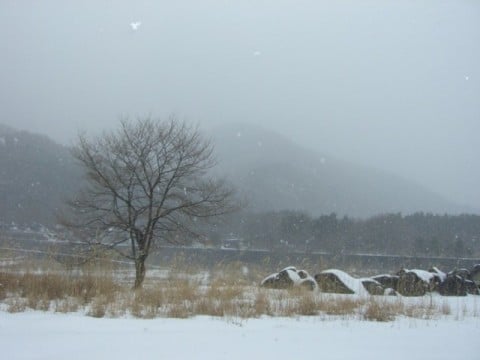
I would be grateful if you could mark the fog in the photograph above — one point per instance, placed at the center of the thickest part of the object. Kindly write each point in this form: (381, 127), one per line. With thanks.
(390, 84)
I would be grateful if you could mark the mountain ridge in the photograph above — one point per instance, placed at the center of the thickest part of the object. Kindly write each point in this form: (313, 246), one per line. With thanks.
(270, 171)
(36, 176)
(274, 170)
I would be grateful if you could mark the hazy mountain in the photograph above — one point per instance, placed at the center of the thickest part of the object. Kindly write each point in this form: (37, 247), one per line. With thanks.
(36, 175)
(273, 172)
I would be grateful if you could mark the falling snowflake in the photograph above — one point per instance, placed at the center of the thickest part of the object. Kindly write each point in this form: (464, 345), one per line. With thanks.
(135, 25)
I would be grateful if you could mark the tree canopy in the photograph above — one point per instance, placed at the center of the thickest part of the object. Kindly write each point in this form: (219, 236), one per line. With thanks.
(146, 180)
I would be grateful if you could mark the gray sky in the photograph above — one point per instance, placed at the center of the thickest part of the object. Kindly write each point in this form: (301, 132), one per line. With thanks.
(391, 84)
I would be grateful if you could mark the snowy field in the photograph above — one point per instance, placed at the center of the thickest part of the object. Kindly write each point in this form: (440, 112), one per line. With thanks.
(40, 335)
(451, 330)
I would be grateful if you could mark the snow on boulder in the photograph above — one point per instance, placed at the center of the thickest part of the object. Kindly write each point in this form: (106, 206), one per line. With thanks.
(338, 281)
(472, 287)
(475, 274)
(434, 270)
(453, 285)
(422, 274)
(464, 273)
(303, 274)
(416, 282)
(389, 292)
(459, 281)
(284, 279)
(372, 286)
(387, 280)
(288, 278)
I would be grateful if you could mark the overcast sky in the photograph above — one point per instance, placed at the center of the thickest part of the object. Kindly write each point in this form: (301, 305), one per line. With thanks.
(391, 84)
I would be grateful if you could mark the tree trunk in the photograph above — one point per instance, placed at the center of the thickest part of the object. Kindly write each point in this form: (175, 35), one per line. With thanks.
(139, 271)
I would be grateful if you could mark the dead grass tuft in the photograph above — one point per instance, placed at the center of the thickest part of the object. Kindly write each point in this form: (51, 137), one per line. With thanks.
(445, 308)
(262, 304)
(98, 307)
(308, 305)
(67, 305)
(16, 305)
(341, 305)
(382, 311)
(181, 310)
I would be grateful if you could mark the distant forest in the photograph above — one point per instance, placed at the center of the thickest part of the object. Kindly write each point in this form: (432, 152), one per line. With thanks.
(417, 234)
(37, 175)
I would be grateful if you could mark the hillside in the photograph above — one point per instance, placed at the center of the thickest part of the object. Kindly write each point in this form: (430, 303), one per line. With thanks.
(270, 171)
(36, 175)
(274, 173)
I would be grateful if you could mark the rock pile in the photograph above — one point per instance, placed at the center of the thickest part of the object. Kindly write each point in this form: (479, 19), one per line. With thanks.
(406, 282)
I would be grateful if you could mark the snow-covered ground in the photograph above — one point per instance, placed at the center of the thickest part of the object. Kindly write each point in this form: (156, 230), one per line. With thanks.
(452, 334)
(38, 335)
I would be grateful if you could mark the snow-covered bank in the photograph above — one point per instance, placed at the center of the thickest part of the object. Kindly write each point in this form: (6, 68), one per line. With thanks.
(37, 335)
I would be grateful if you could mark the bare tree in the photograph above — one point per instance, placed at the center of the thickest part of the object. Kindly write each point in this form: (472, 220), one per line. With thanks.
(146, 180)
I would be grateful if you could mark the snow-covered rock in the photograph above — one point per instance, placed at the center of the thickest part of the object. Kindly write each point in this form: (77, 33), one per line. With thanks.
(453, 285)
(459, 281)
(438, 272)
(389, 292)
(475, 274)
(472, 287)
(288, 278)
(416, 282)
(387, 280)
(372, 286)
(464, 273)
(338, 281)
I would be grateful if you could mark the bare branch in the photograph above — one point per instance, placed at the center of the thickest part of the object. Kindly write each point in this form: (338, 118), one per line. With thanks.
(147, 179)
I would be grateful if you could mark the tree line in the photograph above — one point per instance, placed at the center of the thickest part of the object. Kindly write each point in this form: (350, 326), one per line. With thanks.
(420, 233)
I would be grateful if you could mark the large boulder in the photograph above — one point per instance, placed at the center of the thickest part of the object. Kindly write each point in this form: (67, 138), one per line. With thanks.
(329, 282)
(372, 286)
(387, 281)
(307, 281)
(339, 282)
(416, 282)
(462, 272)
(470, 286)
(288, 278)
(284, 279)
(453, 285)
(475, 274)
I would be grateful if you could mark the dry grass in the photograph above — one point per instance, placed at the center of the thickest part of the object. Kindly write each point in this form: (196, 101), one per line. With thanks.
(341, 305)
(383, 311)
(261, 304)
(47, 286)
(98, 307)
(231, 292)
(445, 308)
(67, 305)
(15, 305)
